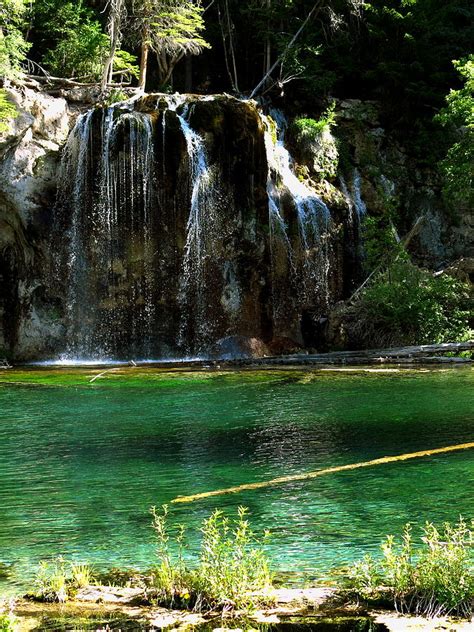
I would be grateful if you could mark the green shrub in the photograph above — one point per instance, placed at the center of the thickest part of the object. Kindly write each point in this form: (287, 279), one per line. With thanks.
(408, 305)
(58, 579)
(80, 53)
(434, 579)
(8, 111)
(231, 567)
(8, 620)
(308, 129)
(316, 146)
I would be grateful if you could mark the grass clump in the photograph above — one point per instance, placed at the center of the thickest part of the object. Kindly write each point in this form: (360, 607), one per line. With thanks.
(59, 579)
(434, 579)
(231, 571)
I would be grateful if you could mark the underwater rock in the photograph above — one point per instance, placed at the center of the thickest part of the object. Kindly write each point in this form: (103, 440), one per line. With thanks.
(234, 347)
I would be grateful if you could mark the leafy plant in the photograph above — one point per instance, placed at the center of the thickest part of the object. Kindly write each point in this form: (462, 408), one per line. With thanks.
(170, 576)
(57, 579)
(230, 569)
(8, 620)
(457, 168)
(231, 566)
(51, 580)
(308, 129)
(115, 96)
(407, 305)
(436, 578)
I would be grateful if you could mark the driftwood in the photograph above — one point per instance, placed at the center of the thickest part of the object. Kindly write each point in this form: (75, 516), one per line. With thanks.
(404, 355)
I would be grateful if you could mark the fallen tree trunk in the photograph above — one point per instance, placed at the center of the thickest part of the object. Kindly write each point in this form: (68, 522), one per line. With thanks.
(415, 353)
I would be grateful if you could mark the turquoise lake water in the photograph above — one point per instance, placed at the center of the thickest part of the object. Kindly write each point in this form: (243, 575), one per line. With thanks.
(82, 462)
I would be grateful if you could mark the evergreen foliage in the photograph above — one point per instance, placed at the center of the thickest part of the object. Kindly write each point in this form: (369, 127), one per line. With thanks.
(398, 51)
(170, 28)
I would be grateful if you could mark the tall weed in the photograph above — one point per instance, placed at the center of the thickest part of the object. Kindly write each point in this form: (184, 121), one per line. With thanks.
(230, 569)
(434, 579)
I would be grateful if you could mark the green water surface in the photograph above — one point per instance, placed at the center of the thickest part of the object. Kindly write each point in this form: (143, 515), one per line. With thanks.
(81, 462)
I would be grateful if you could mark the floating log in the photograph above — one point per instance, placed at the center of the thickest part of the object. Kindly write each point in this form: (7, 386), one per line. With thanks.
(330, 470)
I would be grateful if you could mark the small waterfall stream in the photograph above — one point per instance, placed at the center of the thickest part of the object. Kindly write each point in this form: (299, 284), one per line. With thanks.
(201, 232)
(100, 290)
(74, 169)
(353, 197)
(313, 217)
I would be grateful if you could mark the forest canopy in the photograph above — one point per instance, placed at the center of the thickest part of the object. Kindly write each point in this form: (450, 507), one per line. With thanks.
(298, 52)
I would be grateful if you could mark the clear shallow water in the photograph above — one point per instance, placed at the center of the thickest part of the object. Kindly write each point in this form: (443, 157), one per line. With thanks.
(82, 462)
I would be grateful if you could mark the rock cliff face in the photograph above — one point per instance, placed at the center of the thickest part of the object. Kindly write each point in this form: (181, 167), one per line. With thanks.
(180, 226)
(29, 161)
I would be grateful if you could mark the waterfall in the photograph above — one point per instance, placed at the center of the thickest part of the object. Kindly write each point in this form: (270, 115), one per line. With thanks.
(359, 203)
(196, 326)
(172, 244)
(75, 169)
(313, 217)
(357, 211)
(110, 301)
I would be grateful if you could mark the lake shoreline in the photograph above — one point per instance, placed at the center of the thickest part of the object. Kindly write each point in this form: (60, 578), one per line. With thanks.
(325, 608)
(416, 355)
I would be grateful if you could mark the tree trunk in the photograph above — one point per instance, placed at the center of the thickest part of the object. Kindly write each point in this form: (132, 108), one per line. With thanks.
(267, 57)
(114, 29)
(143, 66)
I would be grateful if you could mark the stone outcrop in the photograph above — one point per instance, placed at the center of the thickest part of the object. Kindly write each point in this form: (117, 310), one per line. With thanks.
(249, 282)
(29, 160)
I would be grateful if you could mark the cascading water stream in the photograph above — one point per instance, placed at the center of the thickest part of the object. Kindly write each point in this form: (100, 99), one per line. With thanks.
(196, 323)
(75, 168)
(110, 287)
(314, 218)
(357, 210)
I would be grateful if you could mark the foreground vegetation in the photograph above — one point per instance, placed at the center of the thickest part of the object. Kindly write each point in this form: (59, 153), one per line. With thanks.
(433, 580)
(230, 572)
